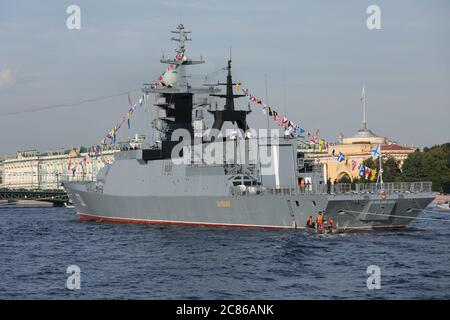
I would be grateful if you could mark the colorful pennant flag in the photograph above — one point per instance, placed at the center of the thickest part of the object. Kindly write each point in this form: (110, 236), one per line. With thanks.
(373, 175)
(353, 164)
(361, 170)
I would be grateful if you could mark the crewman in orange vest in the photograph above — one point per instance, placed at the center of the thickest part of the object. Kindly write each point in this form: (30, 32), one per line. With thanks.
(330, 223)
(319, 221)
(309, 222)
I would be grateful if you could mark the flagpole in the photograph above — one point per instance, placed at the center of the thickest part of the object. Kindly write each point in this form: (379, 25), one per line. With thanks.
(381, 172)
(364, 106)
(267, 102)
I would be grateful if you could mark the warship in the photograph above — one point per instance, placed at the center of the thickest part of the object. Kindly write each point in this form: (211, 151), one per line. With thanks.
(253, 183)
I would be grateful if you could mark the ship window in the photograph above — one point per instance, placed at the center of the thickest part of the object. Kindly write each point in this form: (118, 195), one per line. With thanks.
(247, 183)
(236, 183)
(314, 203)
(297, 203)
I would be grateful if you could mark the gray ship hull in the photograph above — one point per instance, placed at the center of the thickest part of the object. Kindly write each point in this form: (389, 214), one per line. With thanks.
(273, 211)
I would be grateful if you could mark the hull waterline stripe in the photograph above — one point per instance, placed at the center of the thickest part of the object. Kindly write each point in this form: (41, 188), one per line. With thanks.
(83, 216)
(88, 217)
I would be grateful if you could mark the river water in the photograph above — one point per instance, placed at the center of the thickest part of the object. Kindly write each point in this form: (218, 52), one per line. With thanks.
(176, 262)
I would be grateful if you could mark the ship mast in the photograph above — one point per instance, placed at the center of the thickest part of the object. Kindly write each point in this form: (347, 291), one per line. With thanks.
(174, 95)
(229, 113)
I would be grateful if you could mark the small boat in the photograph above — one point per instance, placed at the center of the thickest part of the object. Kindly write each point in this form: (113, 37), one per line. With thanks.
(443, 205)
(324, 230)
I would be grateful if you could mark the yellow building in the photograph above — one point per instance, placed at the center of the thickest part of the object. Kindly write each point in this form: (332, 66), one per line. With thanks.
(356, 149)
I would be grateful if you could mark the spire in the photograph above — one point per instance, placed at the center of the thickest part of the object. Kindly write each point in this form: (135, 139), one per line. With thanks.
(363, 99)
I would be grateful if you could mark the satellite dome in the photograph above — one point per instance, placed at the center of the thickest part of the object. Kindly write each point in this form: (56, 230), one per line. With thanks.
(170, 78)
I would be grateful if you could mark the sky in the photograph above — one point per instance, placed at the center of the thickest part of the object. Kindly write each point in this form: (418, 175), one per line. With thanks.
(317, 55)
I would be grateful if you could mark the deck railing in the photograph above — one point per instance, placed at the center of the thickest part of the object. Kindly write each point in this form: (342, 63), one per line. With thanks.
(348, 188)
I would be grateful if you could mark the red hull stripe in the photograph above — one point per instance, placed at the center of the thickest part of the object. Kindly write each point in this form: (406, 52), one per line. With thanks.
(88, 217)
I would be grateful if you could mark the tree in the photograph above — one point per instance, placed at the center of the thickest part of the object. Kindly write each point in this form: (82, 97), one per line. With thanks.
(370, 163)
(433, 164)
(83, 149)
(412, 168)
(391, 170)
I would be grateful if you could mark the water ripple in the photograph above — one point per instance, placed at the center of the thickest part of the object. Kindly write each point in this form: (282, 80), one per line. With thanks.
(171, 262)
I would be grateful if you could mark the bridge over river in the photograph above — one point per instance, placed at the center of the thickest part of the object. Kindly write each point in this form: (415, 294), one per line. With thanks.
(55, 196)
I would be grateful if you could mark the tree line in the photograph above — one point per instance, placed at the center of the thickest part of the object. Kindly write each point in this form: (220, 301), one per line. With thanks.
(431, 164)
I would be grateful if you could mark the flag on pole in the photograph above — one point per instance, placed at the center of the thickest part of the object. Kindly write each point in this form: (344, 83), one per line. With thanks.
(361, 170)
(376, 152)
(353, 164)
(368, 171)
(373, 175)
(341, 157)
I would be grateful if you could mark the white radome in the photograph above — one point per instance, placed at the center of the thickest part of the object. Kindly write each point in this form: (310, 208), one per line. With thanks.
(170, 78)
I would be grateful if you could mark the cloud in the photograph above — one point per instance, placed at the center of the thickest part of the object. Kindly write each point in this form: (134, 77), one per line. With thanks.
(6, 78)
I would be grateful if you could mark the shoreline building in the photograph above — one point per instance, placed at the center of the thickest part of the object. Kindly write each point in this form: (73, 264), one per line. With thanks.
(32, 169)
(356, 149)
